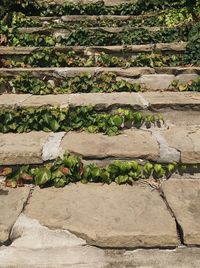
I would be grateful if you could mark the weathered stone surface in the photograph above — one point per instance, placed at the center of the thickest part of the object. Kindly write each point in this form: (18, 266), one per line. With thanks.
(107, 2)
(177, 70)
(176, 47)
(106, 215)
(181, 118)
(24, 148)
(155, 258)
(168, 154)
(185, 78)
(186, 140)
(13, 99)
(11, 205)
(157, 81)
(53, 100)
(105, 100)
(183, 197)
(36, 246)
(158, 100)
(130, 144)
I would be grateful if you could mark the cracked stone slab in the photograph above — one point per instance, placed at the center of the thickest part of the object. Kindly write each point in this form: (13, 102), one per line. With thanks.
(105, 100)
(106, 215)
(22, 148)
(183, 197)
(159, 100)
(37, 246)
(11, 205)
(186, 140)
(129, 144)
(13, 99)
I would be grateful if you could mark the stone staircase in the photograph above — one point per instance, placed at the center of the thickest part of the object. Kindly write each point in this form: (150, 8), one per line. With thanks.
(152, 223)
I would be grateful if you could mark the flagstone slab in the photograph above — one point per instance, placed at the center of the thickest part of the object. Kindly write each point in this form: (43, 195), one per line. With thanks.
(186, 140)
(23, 148)
(129, 144)
(45, 100)
(105, 100)
(11, 205)
(184, 100)
(13, 99)
(183, 197)
(106, 215)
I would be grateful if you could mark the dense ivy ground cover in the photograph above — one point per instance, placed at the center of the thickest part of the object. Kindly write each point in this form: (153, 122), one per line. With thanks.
(48, 57)
(168, 18)
(70, 169)
(96, 37)
(63, 171)
(83, 83)
(31, 7)
(19, 120)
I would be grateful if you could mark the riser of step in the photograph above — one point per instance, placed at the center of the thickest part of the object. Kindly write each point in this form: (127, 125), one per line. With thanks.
(176, 144)
(103, 101)
(90, 50)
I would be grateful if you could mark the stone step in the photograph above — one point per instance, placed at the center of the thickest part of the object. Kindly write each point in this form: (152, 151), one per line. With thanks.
(153, 101)
(106, 2)
(93, 18)
(62, 32)
(89, 50)
(66, 19)
(54, 228)
(132, 72)
(175, 144)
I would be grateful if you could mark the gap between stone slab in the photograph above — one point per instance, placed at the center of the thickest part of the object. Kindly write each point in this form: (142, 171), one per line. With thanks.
(179, 228)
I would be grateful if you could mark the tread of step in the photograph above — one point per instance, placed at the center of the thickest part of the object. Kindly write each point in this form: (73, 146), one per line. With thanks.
(58, 32)
(165, 47)
(77, 18)
(103, 101)
(175, 144)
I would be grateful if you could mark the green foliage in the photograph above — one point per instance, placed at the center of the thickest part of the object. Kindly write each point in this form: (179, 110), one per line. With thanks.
(83, 37)
(193, 47)
(65, 119)
(190, 86)
(85, 82)
(49, 57)
(70, 169)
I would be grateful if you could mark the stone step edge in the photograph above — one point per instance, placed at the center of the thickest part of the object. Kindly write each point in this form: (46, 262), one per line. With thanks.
(77, 18)
(176, 144)
(165, 47)
(60, 31)
(152, 101)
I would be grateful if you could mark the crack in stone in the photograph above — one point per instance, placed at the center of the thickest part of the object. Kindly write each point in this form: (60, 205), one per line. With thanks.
(179, 228)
